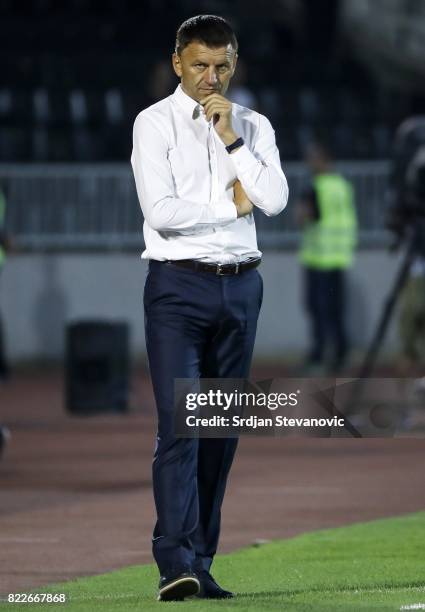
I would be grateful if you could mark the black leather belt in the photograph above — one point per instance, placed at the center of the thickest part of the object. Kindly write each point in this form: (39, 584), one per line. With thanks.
(217, 269)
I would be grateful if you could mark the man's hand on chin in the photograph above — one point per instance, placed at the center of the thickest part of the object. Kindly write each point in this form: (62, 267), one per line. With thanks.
(218, 107)
(243, 204)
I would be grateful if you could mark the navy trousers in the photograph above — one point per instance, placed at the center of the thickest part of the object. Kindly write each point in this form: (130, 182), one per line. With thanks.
(325, 303)
(197, 325)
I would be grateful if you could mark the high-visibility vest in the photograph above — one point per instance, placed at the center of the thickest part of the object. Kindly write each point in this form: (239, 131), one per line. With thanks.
(329, 242)
(2, 220)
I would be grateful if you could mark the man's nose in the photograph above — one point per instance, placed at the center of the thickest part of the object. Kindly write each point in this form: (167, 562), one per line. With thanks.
(211, 76)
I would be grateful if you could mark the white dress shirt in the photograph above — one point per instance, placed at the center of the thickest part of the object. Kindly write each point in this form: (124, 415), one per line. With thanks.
(184, 179)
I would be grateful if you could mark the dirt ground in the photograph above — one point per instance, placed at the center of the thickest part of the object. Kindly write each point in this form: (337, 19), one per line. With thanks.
(76, 493)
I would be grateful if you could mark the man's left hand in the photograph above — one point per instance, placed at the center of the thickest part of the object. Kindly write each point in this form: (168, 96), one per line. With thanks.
(219, 108)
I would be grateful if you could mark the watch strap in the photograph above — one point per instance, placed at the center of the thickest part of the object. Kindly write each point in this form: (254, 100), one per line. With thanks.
(235, 145)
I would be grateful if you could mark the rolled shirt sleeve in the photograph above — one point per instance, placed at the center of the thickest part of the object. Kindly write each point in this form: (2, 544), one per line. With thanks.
(163, 211)
(260, 171)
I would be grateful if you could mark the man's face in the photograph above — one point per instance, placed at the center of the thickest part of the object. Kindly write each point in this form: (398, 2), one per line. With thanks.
(204, 70)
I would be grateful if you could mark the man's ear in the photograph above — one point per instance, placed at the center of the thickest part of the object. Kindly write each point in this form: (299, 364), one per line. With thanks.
(176, 64)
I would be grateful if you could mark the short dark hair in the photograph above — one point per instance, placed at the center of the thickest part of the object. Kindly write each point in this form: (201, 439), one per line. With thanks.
(212, 30)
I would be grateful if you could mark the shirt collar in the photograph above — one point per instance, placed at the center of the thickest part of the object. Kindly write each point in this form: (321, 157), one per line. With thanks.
(188, 104)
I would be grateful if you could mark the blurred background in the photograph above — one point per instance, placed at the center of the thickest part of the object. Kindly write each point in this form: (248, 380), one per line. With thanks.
(73, 76)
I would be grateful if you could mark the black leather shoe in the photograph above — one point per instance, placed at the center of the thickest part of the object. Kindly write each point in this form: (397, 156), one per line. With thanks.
(178, 586)
(210, 589)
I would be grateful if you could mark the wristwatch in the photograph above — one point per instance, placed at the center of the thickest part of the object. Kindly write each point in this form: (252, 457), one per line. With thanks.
(235, 145)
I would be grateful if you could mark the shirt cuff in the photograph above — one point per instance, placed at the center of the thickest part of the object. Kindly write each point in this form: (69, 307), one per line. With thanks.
(224, 210)
(243, 159)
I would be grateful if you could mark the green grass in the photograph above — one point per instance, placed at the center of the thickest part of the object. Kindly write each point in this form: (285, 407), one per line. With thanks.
(369, 566)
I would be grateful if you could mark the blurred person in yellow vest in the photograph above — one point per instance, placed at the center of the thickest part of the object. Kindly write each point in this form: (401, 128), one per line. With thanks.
(327, 216)
(4, 243)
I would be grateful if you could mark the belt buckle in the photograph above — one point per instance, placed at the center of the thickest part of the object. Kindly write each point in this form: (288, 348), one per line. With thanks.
(220, 272)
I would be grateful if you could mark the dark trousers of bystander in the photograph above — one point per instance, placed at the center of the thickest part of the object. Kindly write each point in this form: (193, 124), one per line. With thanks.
(197, 325)
(325, 302)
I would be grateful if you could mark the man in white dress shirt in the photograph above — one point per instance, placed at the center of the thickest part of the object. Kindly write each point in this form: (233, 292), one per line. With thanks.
(200, 165)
